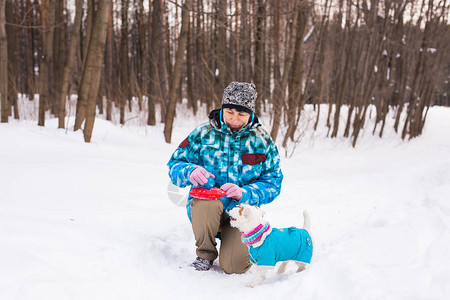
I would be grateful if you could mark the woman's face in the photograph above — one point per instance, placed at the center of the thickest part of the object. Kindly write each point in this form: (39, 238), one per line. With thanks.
(235, 119)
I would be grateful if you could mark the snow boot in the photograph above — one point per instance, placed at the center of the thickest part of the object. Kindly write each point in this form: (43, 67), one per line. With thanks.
(201, 264)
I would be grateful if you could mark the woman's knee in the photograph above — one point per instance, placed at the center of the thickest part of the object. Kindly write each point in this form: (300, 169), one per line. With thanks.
(234, 258)
(234, 265)
(206, 209)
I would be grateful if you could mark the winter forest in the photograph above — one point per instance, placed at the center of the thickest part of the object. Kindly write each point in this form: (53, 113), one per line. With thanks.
(96, 95)
(149, 55)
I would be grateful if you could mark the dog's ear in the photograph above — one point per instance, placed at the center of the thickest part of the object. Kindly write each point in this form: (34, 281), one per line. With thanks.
(261, 210)
(241, 209)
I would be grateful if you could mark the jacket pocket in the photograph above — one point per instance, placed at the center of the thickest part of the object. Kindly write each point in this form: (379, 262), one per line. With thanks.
(253, 158)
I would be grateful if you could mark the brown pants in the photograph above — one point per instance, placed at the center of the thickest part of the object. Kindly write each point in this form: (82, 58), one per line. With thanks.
(208, 218)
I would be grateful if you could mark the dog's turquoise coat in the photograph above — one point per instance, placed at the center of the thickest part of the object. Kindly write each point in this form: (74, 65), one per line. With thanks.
(283, 244)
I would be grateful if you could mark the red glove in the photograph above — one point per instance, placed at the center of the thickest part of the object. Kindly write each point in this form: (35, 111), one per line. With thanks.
(232, 191)
(199, 176)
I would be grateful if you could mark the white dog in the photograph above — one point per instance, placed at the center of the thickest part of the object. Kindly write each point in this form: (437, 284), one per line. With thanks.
(267, 245)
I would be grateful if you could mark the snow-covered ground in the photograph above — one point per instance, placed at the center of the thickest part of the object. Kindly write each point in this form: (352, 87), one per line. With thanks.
(94, 221)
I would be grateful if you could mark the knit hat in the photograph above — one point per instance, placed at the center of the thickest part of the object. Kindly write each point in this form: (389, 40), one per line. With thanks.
(241, 96)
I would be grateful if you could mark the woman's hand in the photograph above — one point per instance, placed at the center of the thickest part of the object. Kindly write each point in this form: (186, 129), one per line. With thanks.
(199, 176)
(232, 191)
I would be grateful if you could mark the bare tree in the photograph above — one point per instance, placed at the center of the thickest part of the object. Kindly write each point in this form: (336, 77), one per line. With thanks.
(364, 55)
(59, 55)
(245, 43)
(109, 67)
(12, 40)
(221, 46)
(3, 65)
(47, 57)
(176, 74)
(277, 93)
(141, 59)
(124, 79)
(295, 80)
(259, 67)
(281, 86)
(90, 79)
(154, 95)
(63, 88)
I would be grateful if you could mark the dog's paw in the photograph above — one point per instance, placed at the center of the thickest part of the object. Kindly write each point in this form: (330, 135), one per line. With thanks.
(254, 282)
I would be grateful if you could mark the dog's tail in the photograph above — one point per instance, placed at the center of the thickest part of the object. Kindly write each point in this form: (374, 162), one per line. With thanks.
(306, 220)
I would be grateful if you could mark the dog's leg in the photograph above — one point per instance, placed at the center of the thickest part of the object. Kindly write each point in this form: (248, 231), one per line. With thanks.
(301, 266)
(260, 275)
(282, 268)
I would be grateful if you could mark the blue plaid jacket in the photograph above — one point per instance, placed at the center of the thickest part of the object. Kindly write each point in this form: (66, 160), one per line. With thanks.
(248, 158)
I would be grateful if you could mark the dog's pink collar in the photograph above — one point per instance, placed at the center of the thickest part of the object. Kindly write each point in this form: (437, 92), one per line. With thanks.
(253, 231)
(255, 235)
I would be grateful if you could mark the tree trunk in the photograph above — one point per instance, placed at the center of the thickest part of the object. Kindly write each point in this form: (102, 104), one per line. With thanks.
(125, 94)
(63, 88)
(192, 98)
(94, 62)
(342, 81)
(83, 89)
(29, 75)
(59, 60)
(259, 54)
(89, 20)
(221, 46)
(47, 57)
(109, 67)
(11, 33)
(295, 82)
(3, 65)
(199, 69)
(245, 44)
(168, 58)
(321, 57)
(142, 68)
(154, 94)
(399, 75)
(163, 81)
(286, 71)
(277, 100)
(176, 74)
